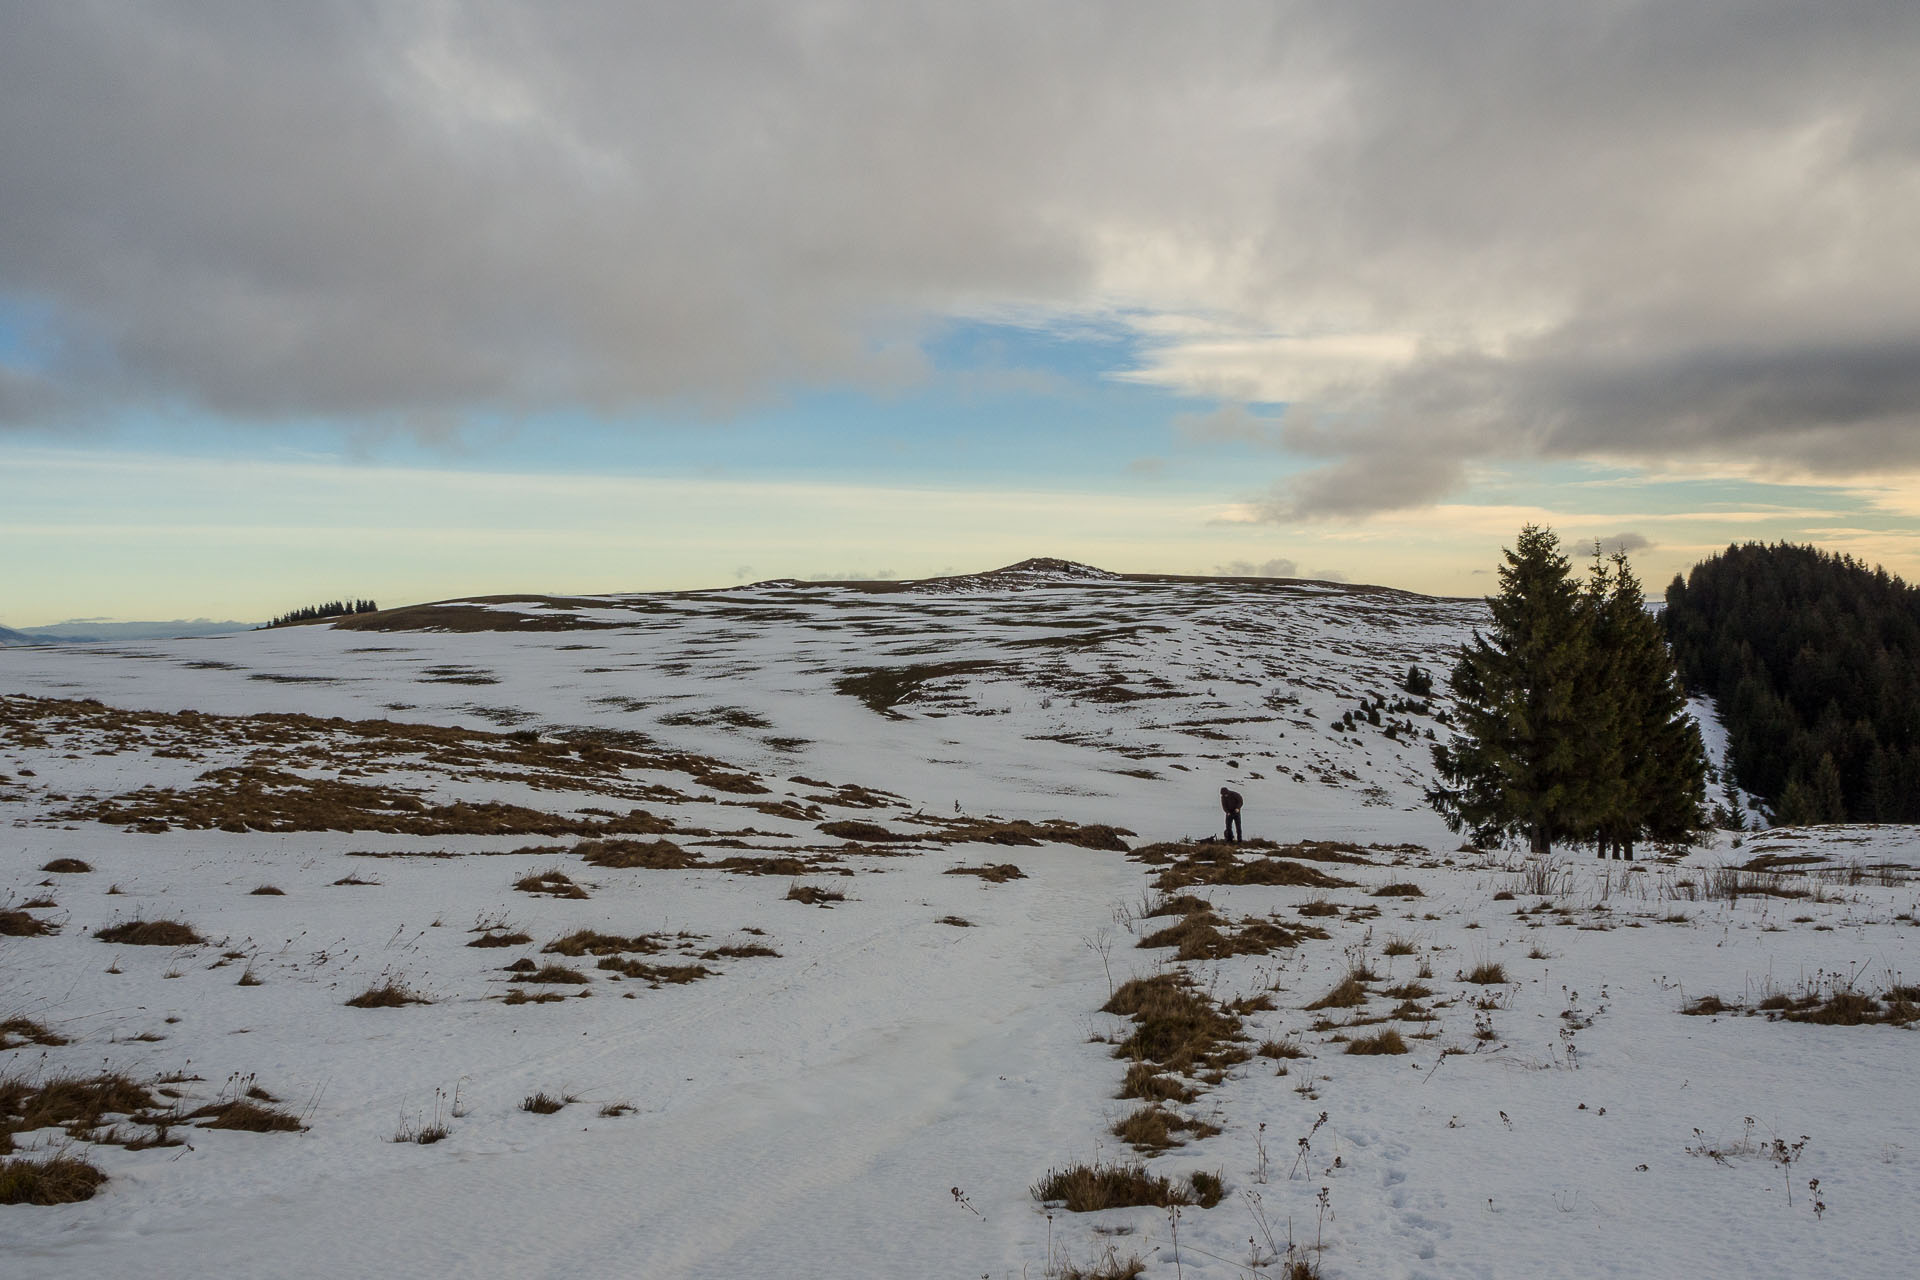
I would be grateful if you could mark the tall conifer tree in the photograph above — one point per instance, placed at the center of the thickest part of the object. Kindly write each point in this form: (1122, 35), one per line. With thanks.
(1516, 767)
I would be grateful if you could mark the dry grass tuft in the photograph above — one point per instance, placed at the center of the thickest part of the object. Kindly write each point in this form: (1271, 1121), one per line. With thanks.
(15, 1032)
(999, 874)
(66, 866)
(958, 922)
(1285, 1049)
(497, 938)
(1399, 889)
(519, 996)
(1349, 994)
(388, 994)
(1110, 1267)
(18, 924)
(1154, 1128)
(1209, 1189)
(268, 891)
(248, 1116)
(814, 895)
(552, 884)
(586, 942)
(657, 974)
(1175, 1025)
(150, 933)
(552, 975)
(1142, 1081)
(865, 832)
(624, 855)
(1089, 1188)
(1381, 1042)
(543, 1103)
(1487, 973)
(52, 1179)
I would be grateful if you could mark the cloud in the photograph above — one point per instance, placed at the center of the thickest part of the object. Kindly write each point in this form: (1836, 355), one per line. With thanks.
(1278, 567)
(1396, 238)
(1624, 544)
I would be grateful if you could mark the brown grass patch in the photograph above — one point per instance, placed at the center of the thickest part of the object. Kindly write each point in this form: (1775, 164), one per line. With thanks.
(1706, 1006)
(389, 994)
(1487, 973)
(543, 1103)
(499, 938)
(1175, 1025)
(552, 975)
(66, 866)
(1000, 874)
(657, 974)
(814, 895)
(150, 933)
(15, 1032)
(958, 922)
(1089, 1188)
(1143, 1081)
(856, 829)
(587, 942)
(519, 996)
(18, 924)
(248, 1116)
(551, 884)
(51, 1179)
(268, 891)
(1389, 1041)
(1399, 889)
(739, 951)
(1349, 994)
(1154, 1128)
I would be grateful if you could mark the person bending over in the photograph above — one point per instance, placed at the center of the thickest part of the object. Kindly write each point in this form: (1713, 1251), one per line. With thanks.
(1230, 803)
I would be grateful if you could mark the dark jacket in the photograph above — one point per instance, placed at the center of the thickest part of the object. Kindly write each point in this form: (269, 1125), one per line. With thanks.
(1230, 801)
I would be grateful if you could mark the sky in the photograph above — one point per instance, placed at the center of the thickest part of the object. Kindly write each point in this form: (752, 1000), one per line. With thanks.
(427, 299)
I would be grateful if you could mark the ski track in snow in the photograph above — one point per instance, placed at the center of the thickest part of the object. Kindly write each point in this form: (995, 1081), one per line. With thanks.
(808, 1114)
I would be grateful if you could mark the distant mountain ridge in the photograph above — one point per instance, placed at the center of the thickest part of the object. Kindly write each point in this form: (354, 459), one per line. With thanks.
(85, 631)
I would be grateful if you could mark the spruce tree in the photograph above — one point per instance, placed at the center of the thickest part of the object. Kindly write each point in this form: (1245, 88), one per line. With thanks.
(1653, 742)
(1518, 763)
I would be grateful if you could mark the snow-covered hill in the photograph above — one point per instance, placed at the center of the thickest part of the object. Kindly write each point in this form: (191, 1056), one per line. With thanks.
(820, 891)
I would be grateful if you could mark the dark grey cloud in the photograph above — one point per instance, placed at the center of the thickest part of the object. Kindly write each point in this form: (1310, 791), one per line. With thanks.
(1439, 233)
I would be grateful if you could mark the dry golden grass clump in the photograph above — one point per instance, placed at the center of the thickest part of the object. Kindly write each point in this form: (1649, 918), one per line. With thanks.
(738, 951)
(1187, 863)
(500, 937)
(1487, 973)
(588, 942)
(150, 933)
(657, 974)
(1154, 1128)
(389, 993)
(52, 1179)
(1399, 889)
(1175, 1025)
(248, 1116)
(547, 974)
(1143, 1081)
(1388, 1041)
(1349, 993)
(17, 1031)
(1281, 1049)
(814, 895)
(1199, 937)
(1022, 832)
(651, 855)
(551, 884)
(18, 924)
(268, 891)
(999, 874)
(544, 1103)
(67, 866)
(1089, 1188)
(520, 996)
(81, 1105)
(867, 832)
(1111, 1266)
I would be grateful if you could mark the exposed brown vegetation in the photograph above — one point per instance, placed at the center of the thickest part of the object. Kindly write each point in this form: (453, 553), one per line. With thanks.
(1144, 1081)
(1487, 973)
(1089, 1188)
(657, 974)
(1176, 1026)
(999, 874)
(1388, 1041)
(1189, 863)
(268, 891)
(150, 933)
(588, 942)
(552, 884)
(855, 829)
(388, 994)
(246, 1115)
(1399, 889)
(66, 866)
(17, 1031)
(18, 924)
(814, 895)
(501, 938)
(1154, 1128)
(52, 1179)
(1350, 992)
